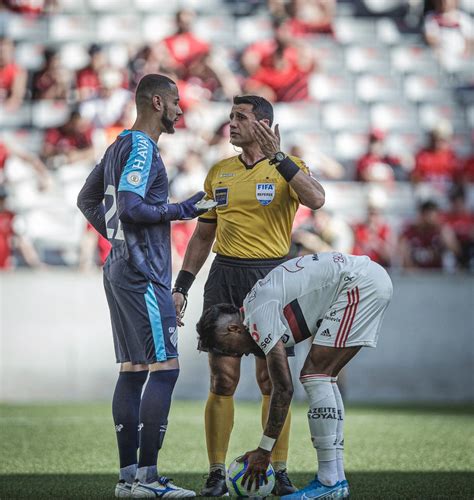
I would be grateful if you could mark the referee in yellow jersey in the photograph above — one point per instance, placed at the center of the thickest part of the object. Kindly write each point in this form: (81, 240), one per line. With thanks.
(257, 194)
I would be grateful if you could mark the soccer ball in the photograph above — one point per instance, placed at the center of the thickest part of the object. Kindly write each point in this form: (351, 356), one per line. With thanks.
(233, 480)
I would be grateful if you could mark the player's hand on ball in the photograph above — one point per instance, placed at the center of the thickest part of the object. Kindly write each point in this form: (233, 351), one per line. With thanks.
(268, 140)
(179, 301)
(258, 461)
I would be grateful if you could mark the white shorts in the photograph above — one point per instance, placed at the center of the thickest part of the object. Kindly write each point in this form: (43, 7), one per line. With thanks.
(355, 317)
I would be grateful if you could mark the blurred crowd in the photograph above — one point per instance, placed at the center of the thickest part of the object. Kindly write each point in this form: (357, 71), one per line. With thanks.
(82, 109)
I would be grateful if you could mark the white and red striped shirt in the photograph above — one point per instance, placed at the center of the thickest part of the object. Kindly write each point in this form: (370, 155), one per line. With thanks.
(293, 298)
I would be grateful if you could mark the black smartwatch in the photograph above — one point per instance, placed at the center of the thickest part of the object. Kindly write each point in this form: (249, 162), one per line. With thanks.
(279, 157)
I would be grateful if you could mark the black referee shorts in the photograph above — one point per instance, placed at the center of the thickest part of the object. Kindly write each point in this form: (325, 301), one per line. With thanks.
(231, 279)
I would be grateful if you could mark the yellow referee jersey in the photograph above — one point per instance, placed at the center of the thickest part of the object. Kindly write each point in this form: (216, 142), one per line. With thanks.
(255, 208)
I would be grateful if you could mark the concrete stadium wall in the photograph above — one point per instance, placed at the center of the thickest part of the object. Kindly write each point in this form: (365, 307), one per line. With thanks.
(55, 343)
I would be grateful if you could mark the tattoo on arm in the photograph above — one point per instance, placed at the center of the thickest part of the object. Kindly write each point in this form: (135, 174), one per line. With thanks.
(282, 391)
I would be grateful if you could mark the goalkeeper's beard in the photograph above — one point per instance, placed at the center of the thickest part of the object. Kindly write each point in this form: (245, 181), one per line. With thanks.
(167, 123)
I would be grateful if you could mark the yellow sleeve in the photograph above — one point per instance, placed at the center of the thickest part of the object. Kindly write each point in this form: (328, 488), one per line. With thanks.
(302, 166)
(210, 216)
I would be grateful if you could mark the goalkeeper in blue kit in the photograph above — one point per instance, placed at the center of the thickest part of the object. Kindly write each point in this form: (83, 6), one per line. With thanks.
(125, 198)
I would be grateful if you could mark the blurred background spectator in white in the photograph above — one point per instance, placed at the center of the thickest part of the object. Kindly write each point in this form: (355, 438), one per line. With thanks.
(450, 32)
(322, 231)
(8, 151)
(15, 247)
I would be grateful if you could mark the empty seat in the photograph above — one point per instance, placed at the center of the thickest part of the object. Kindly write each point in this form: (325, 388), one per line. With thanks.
(29, 55)
(362, 59)
(424, 88)
(310, 141)
(387, 31)
(24, 139)
(462, 143)
(74, 55)
(345, 116)
(253, 28)
(413, 59)
(26, 28)
(379, 87)
(74, 6)
(403, 143)
(350, 145)
(330, 87)
(431, 114)
(118, 28)
(110, 5)
(393, 116)
(353, 30)
(72, 28)
(329, 57)
(155, 28)
(298, 115)
(215, 28)
(149, 6)
(47, 114)
(21, 117)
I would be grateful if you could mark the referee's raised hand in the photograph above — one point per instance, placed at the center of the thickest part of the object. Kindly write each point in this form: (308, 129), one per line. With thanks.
(268, 139)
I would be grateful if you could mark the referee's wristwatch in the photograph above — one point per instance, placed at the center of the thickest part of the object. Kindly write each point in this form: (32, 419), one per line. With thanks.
(279, 157)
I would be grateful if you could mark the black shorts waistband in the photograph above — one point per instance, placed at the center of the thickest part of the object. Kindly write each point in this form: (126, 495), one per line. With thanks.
(238, 262)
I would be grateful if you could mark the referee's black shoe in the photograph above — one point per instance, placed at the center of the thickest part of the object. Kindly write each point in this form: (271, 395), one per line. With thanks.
(215, 485)
(283, 485)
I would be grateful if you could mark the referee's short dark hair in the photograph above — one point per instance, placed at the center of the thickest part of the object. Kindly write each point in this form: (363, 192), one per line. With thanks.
(150, 85)
(261, 108)
(207, 325)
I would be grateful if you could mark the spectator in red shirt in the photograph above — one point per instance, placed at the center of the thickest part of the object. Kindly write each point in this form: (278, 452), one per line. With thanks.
(374, 237)
(376, 165)
(426, 242)
(467, 171)
(191, 59)
(12, 77)
(88, 79)
(437, 163)
(184, 48)
(461, 220)
(52, 81)
(279, 69)
(69, 143)
(11, 240)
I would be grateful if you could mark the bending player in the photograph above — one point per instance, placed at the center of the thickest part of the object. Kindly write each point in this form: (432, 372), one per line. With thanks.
(339, 300)
(125, 199)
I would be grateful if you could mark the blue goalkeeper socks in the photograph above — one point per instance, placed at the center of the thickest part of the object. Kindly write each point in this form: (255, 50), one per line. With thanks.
(125, 411)
(154, 410)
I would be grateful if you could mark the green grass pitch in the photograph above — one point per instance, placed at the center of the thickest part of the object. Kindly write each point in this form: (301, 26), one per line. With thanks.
(68, 451)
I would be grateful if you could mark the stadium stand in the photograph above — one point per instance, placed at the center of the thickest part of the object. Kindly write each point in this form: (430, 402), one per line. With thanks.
(373, 70)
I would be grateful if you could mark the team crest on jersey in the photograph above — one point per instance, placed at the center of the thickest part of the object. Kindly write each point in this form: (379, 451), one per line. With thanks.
(265, 192)
(134, 178)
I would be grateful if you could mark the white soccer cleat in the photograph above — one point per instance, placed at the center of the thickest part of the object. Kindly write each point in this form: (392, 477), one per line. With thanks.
(161, 488)
(123, 489)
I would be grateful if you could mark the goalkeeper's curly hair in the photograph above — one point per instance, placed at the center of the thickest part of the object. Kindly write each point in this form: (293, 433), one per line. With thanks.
(206, 326)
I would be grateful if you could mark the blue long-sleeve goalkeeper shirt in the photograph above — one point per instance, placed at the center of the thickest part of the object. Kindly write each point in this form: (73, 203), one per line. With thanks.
(126, 199)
